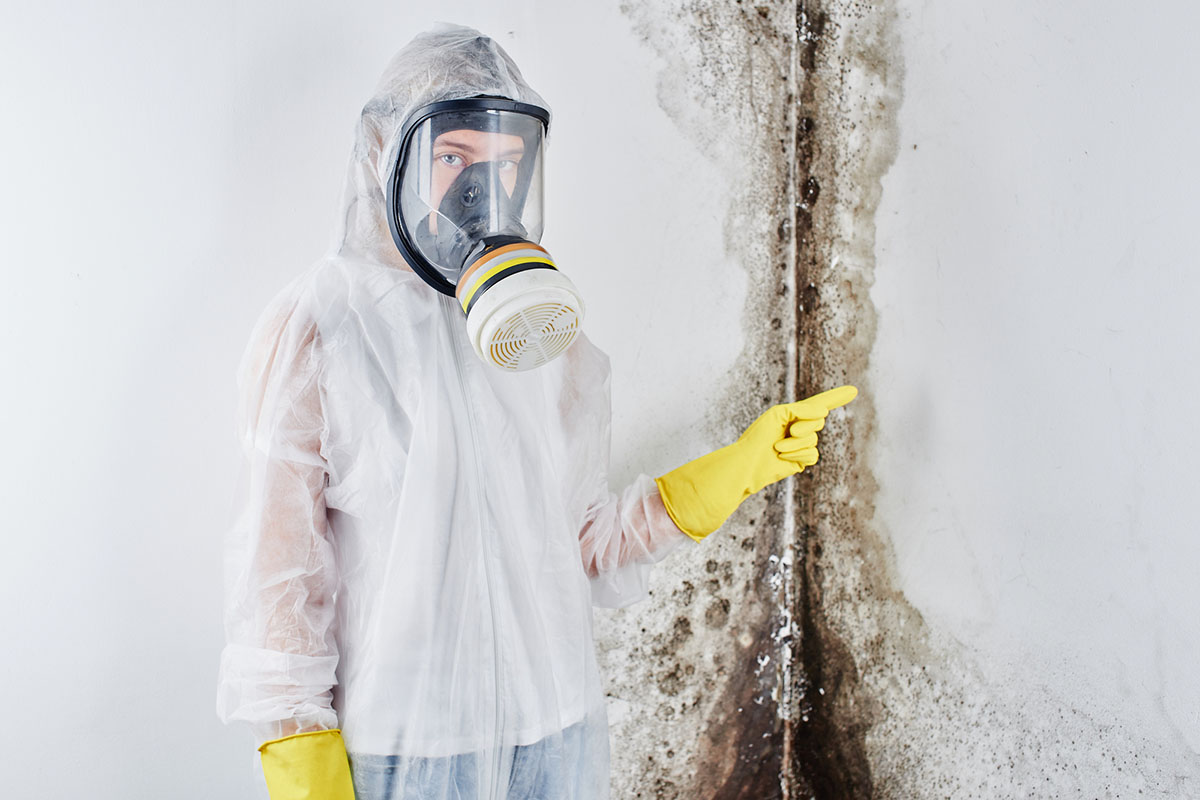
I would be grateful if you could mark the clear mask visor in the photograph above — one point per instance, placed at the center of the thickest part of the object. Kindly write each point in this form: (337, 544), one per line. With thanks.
(468, 176)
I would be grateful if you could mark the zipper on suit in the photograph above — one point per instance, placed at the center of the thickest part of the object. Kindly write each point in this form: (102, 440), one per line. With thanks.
(450, 314)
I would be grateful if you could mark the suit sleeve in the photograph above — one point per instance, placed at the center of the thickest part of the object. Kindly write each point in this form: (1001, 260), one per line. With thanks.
(622, 536)
(278, 667)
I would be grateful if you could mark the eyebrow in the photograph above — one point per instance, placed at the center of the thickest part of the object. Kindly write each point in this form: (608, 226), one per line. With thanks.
(446, 141)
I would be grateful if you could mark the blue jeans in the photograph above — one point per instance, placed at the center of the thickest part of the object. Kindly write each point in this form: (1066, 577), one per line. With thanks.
(545, 770)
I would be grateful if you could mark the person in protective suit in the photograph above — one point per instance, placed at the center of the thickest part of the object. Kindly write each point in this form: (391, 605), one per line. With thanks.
(424, 517)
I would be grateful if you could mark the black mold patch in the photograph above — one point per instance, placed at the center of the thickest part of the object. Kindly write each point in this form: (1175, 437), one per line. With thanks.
(717, 613)
(773, 707)
(827, 736)
(796, 103)
(749, 734)
(743, 746)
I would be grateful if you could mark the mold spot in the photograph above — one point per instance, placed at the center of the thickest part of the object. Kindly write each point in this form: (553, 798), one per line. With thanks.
(681, 631)
(810, 297)
(717, 613)
(665, 790)
(685, 593)
(671, 682)
(811, 191)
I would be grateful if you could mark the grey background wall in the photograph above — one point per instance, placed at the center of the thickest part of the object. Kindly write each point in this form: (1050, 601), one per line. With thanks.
(979, 215)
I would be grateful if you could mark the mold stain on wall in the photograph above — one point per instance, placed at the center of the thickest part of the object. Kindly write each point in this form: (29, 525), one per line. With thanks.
(848, 93)
(781, 661)
(752, 693)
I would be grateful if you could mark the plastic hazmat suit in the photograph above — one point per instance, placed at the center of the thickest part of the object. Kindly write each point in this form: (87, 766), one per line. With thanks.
(420, 535)
(423, 524)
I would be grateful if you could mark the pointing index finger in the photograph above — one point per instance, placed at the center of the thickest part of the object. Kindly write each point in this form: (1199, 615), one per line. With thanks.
(834, 398)
(806, 409)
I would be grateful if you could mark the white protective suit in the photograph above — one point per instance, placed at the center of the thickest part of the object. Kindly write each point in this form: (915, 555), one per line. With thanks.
(419, 535)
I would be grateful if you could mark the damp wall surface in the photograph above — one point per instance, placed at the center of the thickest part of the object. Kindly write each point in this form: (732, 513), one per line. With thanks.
(743, 684)
(979, 215)
(1034, 376)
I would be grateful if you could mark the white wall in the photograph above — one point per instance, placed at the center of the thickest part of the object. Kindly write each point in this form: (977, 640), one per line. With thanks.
(168, 167)
(1035, 369)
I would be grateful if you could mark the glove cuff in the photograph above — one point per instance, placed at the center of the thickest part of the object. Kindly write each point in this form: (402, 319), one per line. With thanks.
(700, 495)
(307, 766)
(666, 492)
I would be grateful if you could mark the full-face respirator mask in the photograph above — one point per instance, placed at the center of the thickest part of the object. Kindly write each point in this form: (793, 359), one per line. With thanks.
(464, 204)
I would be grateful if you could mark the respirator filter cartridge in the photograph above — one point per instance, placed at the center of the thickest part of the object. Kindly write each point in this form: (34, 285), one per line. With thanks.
(521, 311)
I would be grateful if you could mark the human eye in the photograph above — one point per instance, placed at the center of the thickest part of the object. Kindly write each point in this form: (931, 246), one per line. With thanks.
(451, 159)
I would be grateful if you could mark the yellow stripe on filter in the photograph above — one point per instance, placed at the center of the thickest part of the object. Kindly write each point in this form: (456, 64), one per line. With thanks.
(491, 256)
(483, 276)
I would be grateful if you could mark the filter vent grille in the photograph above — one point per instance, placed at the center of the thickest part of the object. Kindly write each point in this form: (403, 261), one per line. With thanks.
(533, 336)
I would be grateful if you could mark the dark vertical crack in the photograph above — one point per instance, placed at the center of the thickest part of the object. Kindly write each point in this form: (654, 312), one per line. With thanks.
(827, 744)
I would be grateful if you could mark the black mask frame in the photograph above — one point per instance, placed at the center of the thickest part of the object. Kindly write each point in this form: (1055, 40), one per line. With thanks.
(404, 238)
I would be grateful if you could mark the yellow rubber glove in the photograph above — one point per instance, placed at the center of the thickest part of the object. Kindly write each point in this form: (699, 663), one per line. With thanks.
(702, 494)
(307, 766)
